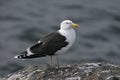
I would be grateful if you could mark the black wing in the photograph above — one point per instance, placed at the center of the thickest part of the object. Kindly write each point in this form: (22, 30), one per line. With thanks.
(49, 44)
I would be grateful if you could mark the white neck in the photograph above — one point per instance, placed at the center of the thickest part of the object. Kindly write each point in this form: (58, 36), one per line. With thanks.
(70, 35)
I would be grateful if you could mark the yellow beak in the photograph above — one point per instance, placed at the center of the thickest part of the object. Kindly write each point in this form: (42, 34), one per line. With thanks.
(74, 25)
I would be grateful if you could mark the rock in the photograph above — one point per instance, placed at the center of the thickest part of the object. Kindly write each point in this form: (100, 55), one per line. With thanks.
(82, 71)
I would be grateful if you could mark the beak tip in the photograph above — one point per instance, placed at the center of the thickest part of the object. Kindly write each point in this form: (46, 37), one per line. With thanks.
(75, 25)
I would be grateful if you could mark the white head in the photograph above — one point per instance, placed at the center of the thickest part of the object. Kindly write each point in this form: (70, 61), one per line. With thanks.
(68, 24)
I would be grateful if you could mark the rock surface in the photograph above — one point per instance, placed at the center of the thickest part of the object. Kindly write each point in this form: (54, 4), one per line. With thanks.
(82, 71)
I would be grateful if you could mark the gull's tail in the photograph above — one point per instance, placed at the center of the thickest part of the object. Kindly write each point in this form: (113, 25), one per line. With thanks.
(23, 55)
(26, 55)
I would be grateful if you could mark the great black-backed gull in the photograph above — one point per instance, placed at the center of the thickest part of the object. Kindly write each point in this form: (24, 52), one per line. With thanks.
(53, 44)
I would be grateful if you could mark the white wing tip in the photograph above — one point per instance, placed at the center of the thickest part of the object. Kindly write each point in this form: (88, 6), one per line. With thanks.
(16, 57)
(39, 41)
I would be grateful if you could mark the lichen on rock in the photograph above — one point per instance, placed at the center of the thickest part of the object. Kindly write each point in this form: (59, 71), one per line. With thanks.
(82, 71)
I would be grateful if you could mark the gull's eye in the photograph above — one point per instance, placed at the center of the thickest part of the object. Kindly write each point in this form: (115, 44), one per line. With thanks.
(67, 23)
